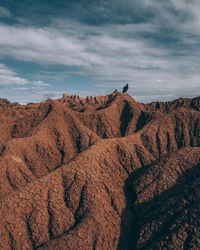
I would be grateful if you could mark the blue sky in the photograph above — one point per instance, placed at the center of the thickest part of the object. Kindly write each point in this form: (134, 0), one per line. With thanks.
(93, 47)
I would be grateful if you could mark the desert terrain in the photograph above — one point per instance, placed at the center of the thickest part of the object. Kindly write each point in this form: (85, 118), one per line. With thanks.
(101, 172)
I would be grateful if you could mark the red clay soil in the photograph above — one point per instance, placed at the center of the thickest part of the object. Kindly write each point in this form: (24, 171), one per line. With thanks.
(100, 173)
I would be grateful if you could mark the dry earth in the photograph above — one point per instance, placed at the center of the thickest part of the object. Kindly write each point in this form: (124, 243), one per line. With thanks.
(100, 173)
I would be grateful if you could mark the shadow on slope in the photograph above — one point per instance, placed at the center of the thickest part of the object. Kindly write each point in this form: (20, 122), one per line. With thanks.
(125, 118)
(170, 220)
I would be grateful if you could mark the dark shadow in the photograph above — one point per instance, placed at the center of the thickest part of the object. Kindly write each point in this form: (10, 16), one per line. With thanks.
(125, 118)
(143, 119)
(163, 216)
(128, 232)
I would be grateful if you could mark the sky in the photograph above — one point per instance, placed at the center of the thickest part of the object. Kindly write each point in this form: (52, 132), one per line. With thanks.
(92, 47)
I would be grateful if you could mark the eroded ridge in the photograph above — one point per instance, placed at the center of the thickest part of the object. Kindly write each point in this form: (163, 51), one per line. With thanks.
(100, 173)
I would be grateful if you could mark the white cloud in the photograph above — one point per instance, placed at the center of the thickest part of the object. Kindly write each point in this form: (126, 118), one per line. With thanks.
(40, 83)
(186, 19)
(44, 46)
(9, 77)
(102, 53)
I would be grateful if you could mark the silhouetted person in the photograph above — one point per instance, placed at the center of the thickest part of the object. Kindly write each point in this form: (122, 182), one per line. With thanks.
(125, 88)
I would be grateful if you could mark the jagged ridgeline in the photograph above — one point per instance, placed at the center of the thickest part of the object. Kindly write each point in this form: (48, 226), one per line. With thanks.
(101, 172)
(82, 104)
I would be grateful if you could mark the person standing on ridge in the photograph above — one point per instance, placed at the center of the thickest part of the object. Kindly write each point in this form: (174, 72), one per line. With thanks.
(125, 88)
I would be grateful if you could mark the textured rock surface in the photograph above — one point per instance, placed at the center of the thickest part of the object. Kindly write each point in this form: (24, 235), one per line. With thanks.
(100, 173)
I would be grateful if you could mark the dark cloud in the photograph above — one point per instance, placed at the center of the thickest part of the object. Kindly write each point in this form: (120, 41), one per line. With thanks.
(98, 12)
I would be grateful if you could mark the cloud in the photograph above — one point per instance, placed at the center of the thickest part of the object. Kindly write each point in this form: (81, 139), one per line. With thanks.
(39, 83)
(9, 77)
(132, 53)
(49, 96)
(153, 45)
(92, 52)
(4, 13)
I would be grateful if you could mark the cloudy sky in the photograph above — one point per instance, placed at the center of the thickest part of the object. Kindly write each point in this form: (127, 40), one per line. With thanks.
(91, 47)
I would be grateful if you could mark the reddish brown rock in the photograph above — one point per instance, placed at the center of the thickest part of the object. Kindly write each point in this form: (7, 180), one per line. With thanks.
(100, 173)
